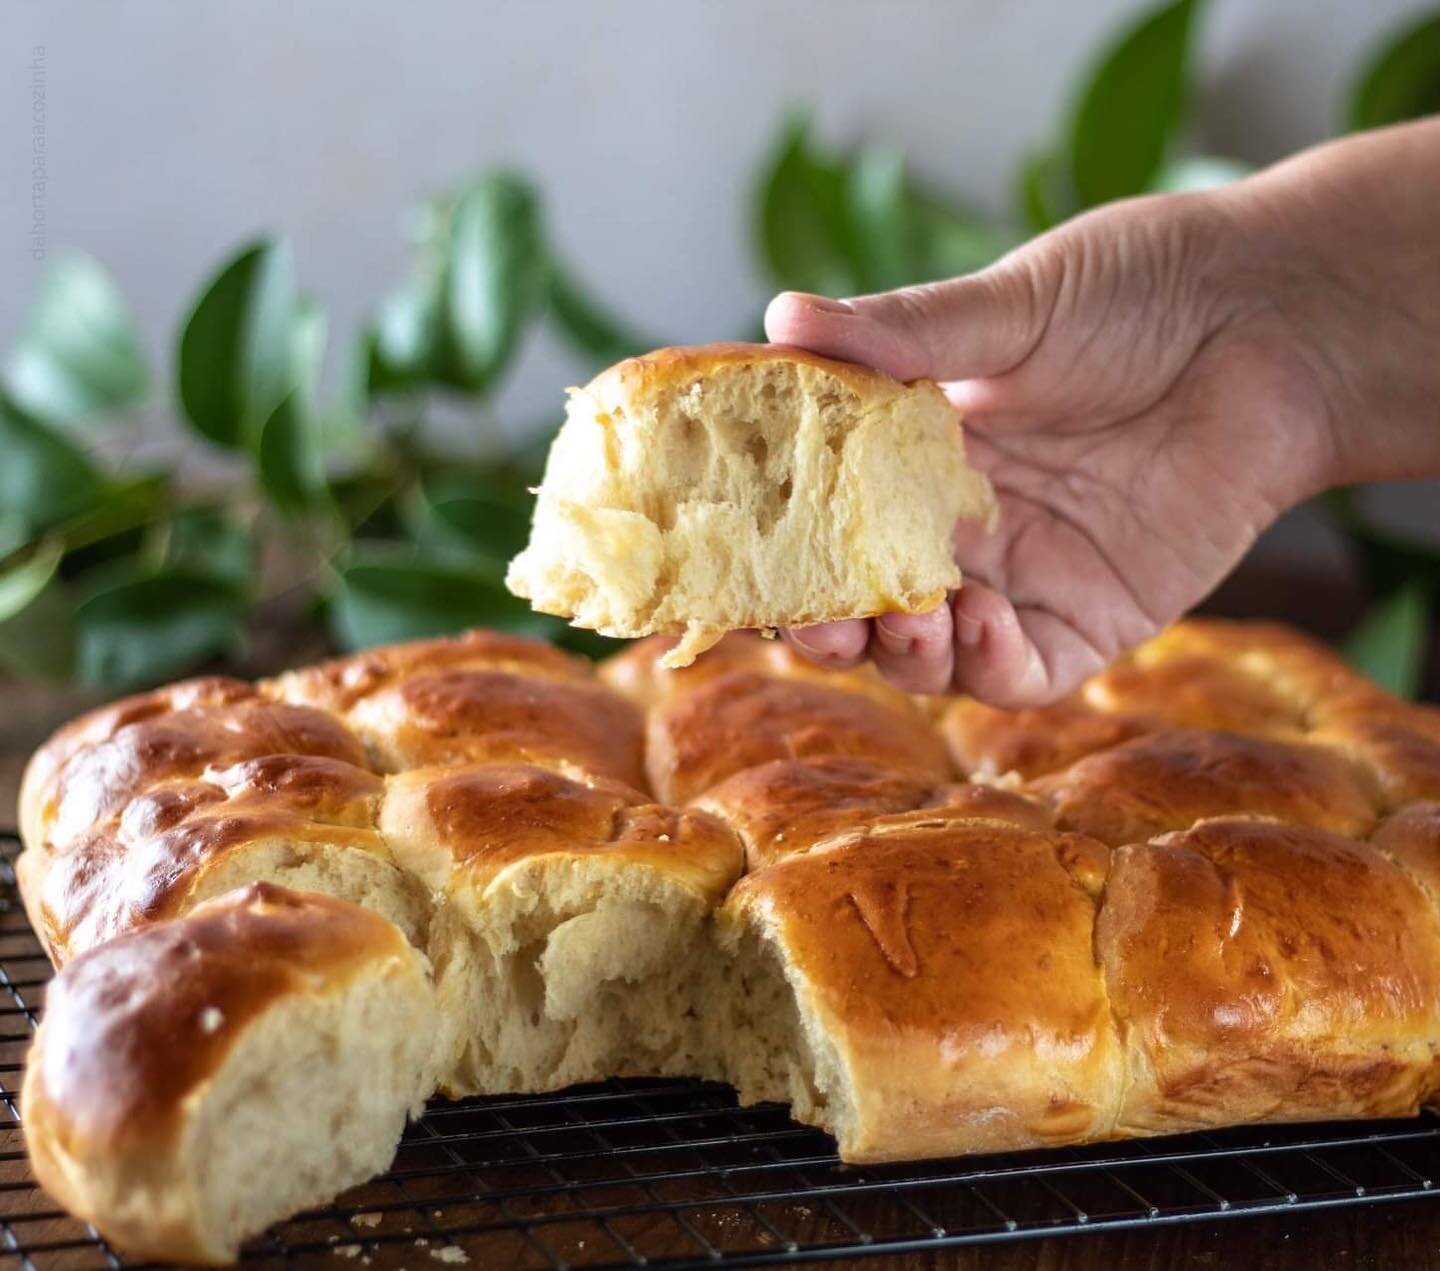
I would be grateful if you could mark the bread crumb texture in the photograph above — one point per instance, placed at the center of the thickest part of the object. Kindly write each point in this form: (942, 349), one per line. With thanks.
(698, 490)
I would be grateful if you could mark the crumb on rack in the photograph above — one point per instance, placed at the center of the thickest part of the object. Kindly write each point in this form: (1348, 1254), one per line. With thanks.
(450, 1253)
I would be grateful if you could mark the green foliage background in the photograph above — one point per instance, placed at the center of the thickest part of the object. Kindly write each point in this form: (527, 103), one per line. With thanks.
(118, 575)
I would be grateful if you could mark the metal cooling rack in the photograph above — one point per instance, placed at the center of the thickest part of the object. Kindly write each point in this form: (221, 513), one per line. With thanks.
(674, 1174)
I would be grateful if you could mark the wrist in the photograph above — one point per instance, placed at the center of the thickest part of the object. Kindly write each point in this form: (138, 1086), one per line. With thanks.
(1341, 250)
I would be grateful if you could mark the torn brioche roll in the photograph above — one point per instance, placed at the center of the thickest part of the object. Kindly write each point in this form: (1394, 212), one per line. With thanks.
(698, 490)
(196, 1080)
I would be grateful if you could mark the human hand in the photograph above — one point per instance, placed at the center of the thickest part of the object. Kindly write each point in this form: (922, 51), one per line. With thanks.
(1147, 387)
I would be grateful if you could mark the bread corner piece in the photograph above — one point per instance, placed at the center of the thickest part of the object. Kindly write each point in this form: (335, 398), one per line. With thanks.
(702, 489)
(196, 1080)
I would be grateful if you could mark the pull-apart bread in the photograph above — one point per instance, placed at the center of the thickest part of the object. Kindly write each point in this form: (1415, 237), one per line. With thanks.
(1204, 889)
(702, 489)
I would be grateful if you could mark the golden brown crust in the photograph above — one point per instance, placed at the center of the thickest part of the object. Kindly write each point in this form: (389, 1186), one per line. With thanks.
(1399, 742)
(1269, 972)
(341, 683)
(787, 806)
(1283, 662)
(134, 1027)
(678, 365)
(147, 863)
(1411, 838)
(1191, 692)
(731, 722)
(1170, 780)
(987, 742)
(637, 672)
(92, 769)
(479, 698)
(98, 725)
(952, 968)
(465, 826)
(1252, 963)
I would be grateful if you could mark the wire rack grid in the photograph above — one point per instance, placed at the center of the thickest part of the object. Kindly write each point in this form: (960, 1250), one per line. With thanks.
(674, 1174)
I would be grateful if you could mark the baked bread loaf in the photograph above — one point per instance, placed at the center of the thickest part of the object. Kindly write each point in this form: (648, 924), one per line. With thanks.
(1202, 890)
(746, 485)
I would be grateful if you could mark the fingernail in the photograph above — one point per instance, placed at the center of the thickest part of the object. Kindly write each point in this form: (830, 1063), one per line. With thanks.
(903, 641)
(968, 630)
(824, 304)
(804, 645)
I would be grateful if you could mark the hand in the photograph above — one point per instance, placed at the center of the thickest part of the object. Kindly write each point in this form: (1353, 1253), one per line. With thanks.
(1147, 388)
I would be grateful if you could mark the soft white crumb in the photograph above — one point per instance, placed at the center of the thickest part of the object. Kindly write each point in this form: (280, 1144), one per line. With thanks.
(370, 1219)
(210, 1020)
(450, 1253)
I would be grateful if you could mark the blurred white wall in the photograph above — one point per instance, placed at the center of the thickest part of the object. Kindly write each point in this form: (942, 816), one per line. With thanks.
(176, 128)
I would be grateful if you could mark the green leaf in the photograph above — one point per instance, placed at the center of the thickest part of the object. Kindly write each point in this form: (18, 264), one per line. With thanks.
(288, 459)
(474, 514)
(1131, 107)
(1046, 192)
(1388, 560)
(1401, 80)
(36, 639)
(79, 353)
(14, 533)
(237, 347)
(145, 629)
(1389, 643)
(493, 278)
(803, 218)
(209, 540)
(384, 594)
(129, 504)
(403, 343)
(591, 329)
(949, 242)
(1201, 172)
(307, 347)
(879, 213)
(44, 477)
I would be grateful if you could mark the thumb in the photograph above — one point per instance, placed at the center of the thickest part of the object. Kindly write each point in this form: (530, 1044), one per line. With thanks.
(975, 327)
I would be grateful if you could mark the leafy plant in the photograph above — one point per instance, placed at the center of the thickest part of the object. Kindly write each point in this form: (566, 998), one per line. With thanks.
(344, 508)
(843, 224)
(1401, 80)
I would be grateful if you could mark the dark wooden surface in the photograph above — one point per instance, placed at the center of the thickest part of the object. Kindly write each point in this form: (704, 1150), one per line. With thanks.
(1372, 1238)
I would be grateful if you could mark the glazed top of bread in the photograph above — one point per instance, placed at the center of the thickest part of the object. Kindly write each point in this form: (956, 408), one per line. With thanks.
(463, 828)
(419, 754)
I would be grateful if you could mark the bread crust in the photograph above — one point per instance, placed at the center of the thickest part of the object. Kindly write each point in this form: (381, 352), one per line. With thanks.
(1202, 890)
(678, 366)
